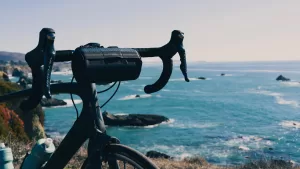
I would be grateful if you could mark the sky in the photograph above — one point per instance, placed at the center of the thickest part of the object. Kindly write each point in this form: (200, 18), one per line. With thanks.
(215, 30)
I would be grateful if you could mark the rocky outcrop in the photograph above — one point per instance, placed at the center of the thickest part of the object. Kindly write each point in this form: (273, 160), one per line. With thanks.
(222, 74)
(17, 72)
(282, 78)
(52, 102)
(156, 154)
(4, 76)
(56, 69)
(133, 119)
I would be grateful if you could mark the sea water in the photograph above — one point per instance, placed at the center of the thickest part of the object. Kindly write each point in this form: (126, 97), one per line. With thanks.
(246, 113)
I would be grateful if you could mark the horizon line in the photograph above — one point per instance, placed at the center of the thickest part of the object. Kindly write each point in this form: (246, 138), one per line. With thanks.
(156, 59)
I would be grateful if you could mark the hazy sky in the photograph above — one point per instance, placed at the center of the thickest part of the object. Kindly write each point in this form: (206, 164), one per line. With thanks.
(215, 30)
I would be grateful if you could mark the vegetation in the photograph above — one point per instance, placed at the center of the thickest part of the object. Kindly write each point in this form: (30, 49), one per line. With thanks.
(20, 125)
(20, 149)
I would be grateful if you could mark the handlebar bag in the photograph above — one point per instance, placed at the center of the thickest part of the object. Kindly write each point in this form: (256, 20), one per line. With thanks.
(96, 64)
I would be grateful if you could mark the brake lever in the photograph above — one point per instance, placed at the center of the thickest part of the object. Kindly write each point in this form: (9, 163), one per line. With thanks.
(35, 59)
(166, 53)
(49, 57)
(177, 39)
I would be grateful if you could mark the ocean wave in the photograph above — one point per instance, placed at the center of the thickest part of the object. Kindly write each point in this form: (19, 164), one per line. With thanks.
(166, 90)
(192, 125)
(56, 135)
(63, 73)
(282, 101)
(149, 126)
(130, 97)
(70, 103)
(11, 77)
(290, 124)
(291, 84)
(178, 151)
(278, 97)
(246, 143)
(120, 114)
(264, 92)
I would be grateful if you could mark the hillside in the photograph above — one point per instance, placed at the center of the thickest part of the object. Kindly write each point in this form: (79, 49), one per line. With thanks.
(7, 56)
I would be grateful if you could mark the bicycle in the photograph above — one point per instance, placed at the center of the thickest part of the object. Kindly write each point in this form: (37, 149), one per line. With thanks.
(101, 147)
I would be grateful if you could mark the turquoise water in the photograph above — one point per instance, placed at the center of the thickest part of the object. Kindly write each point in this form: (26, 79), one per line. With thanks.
(223, 118)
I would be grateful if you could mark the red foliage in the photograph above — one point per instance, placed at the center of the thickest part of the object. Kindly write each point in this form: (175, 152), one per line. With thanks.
(11, 122)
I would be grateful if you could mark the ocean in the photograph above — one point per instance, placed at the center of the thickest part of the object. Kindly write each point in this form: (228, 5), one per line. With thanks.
(229, 119)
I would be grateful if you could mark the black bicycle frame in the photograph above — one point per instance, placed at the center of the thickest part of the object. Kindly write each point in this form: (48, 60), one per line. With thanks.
(87, 126)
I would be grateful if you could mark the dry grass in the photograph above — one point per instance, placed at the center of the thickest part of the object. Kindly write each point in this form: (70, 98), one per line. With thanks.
(20, 149)
(188, 163)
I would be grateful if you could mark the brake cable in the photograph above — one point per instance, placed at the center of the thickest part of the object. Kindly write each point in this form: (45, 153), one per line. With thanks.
(97, 93)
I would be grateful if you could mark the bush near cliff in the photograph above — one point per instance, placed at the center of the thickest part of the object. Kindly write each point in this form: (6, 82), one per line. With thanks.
(11, 124)
(22, 125)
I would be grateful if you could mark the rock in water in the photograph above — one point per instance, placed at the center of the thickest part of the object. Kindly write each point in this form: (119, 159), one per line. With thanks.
(55, 81)
(156, 154)
(132, 119)
(222, 74)
(201, 78)
(52, 102)
(282, 78)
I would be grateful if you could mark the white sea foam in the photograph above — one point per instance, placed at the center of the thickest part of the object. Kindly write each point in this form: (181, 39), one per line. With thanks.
(246, 143)
(165, 90)
(11, 77)
(130, 97)
(192, 125)
(282, 101)
(120, 114)
(170, 121)
(290, 124)
(70, 103)
(182, 79)
(244, 148)
(278, 97)
(62, 73)
(291, 84)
